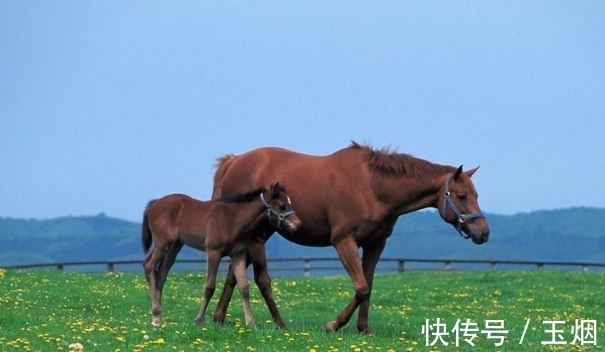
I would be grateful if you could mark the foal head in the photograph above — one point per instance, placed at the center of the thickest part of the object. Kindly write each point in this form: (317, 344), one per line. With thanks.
(458, 206)
(279, 208)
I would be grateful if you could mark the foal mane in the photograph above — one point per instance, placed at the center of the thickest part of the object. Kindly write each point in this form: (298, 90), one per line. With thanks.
(390, 162)
(242, 197)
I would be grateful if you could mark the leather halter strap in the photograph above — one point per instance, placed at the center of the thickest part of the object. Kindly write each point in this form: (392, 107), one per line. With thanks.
(462, 218)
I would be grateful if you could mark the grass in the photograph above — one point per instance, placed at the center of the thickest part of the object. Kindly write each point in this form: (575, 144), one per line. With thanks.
(44, 310)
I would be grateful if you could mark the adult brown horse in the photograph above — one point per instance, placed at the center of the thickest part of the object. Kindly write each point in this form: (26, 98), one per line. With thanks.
(220, 227)
(349, 199)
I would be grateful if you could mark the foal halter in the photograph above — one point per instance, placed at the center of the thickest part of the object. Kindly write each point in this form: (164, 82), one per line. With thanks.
(279, 215)
(462, 218)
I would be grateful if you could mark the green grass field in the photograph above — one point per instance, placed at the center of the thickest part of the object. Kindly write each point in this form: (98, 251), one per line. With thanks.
(44, 310)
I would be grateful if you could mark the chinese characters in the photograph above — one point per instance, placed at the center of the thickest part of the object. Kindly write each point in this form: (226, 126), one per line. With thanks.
(556, 332)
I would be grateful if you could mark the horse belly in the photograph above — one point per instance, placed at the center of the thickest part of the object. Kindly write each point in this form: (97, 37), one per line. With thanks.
(194, 239)
(309, 238)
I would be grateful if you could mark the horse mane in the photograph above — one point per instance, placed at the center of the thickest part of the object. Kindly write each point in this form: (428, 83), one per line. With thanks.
(390, 162)
(242, 197)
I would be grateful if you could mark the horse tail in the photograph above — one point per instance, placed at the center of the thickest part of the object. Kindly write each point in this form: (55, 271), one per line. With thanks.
(222, 165)
(146, 236)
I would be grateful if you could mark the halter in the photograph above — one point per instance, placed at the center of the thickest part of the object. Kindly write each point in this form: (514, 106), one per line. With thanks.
(280, 216)
(462, 218)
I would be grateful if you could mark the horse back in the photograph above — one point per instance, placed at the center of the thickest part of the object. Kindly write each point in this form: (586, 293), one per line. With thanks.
(180, 217)
(257, 167)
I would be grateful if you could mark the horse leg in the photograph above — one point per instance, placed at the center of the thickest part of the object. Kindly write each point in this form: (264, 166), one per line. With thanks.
(213, 259)
(156, 267)
(239, 270)
(149, 266)
(347, 252)
(223, 302)
(257, 255)
(370, 258)
(149, 269)
(258, 258)
(163, 269)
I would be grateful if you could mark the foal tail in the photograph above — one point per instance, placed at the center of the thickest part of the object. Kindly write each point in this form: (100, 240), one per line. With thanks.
(146, 237)
(222, 165)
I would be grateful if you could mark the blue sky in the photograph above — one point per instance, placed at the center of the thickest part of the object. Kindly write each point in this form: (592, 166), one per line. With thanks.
(106, 105)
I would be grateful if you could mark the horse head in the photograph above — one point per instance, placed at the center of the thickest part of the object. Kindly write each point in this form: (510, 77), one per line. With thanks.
(279, 208)
(459, 206)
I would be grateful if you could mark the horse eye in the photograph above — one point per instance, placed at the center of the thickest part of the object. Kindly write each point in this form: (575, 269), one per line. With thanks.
(462, 197)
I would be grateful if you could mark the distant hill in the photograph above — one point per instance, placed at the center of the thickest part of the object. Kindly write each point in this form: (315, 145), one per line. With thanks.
(26, 241)
(573, 234)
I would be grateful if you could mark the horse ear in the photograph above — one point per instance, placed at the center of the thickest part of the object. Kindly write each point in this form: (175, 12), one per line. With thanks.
(470, 173)
(275, 189)
(457, 172)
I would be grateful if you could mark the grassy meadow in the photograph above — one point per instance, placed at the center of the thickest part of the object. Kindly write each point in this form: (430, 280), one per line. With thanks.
(49, 310)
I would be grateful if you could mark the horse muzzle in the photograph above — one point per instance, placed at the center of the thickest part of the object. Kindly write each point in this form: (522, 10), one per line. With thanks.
(292, 224)
(479, 235)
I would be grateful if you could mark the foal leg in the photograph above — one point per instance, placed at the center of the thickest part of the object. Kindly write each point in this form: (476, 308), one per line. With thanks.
(227, 293)
(347, 251)
(223, 302)
(238, 262)
(149, 266)
(162, 274)
(152, 265)
(213, 259)
(257, 255)
(156, 267)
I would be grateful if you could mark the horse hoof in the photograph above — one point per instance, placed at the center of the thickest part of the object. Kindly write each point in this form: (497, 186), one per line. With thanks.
(367, 332)
(331, 326)
(220, 320)
(199, 321)
(156, 323)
